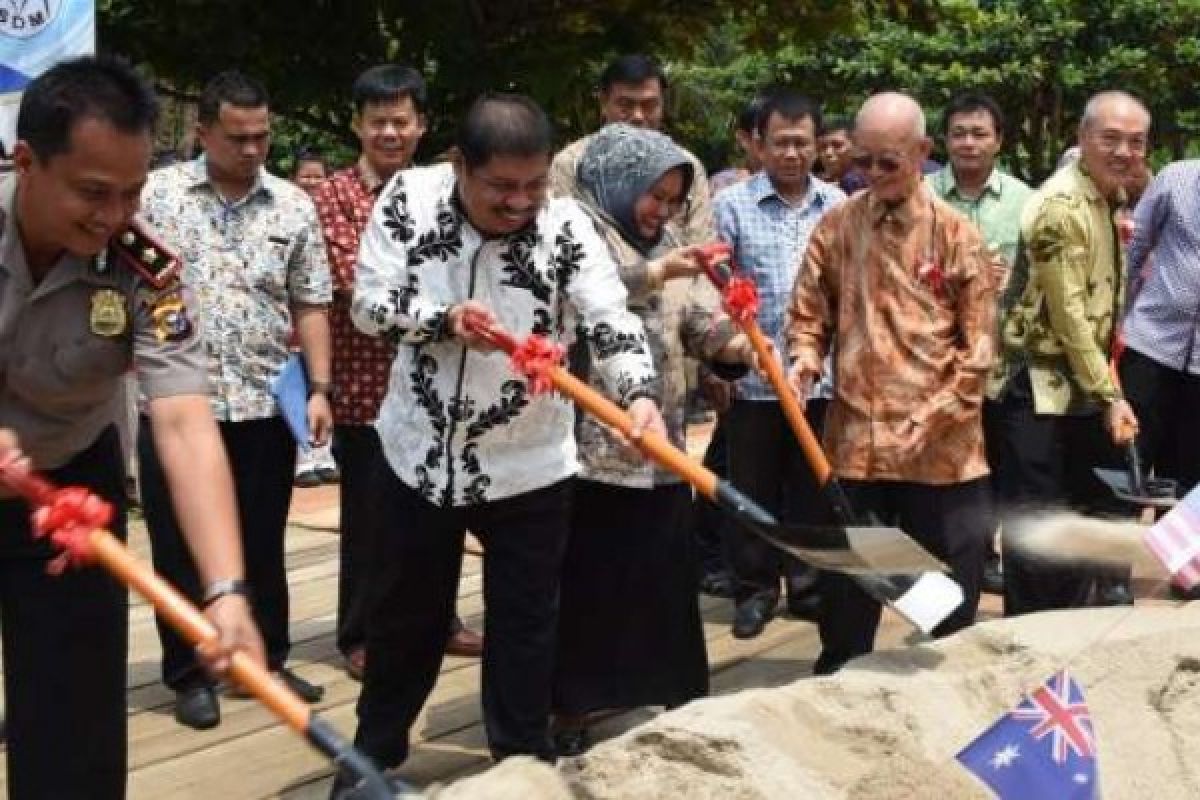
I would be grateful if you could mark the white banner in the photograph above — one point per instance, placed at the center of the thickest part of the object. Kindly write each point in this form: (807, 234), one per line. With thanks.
(34, 35)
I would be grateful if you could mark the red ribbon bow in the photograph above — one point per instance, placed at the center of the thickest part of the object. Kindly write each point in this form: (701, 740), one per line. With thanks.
(68, 518)
(536, 358)
(740, 299)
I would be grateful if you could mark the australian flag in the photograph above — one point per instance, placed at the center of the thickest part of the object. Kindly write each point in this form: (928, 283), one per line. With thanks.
(1043, 748)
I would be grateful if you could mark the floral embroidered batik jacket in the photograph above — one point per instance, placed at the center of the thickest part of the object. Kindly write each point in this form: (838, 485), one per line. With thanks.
(459, 425)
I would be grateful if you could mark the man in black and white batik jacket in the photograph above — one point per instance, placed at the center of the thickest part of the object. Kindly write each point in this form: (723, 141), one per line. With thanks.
(468, 446)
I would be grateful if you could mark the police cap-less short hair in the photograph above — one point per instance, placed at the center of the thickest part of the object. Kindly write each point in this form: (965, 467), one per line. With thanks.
(504, 125)
(90, 87)
(234, 88)
(388, 83)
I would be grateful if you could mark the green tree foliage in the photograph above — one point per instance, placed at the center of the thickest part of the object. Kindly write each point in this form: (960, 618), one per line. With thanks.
(1041, 60)
(308, 53)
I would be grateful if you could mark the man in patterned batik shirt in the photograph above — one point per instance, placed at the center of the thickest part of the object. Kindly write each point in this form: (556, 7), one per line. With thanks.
(1055, 391)
(252, 252)
(467, 445)
(389, 121)
(902, 280)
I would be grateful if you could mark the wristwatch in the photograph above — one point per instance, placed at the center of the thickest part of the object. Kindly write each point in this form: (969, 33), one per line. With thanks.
(320, 387)
(218, 589)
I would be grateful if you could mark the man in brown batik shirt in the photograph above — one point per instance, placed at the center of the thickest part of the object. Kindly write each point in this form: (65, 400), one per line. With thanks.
(901, 281)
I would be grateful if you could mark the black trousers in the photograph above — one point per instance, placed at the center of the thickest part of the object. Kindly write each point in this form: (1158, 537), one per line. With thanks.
(414, 583)
(359, 456)
(708, 523)
(1167, 404)
(765, 462)
(65, 650)
(952, 522)
(262, 456)
(1049, 460)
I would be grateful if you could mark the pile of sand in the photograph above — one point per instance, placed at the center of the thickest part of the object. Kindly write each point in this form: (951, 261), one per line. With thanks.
(889, 725)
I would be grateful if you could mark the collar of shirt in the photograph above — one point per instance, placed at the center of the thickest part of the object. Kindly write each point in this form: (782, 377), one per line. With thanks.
(1082, 182)
(762, 189)
(200, 179)
(368, 177)
(902, 215)
(946, 184)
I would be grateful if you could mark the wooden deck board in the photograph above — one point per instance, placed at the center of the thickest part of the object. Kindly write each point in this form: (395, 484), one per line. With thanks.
(251, 756)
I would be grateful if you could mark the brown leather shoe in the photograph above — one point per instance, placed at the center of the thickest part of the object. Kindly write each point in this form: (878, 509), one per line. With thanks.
(466, 643)
(356, 662)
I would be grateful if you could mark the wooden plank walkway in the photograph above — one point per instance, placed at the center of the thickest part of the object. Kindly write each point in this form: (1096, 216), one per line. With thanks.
(251, 756)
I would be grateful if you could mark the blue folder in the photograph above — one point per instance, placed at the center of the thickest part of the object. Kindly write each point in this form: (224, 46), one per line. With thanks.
(291, 392)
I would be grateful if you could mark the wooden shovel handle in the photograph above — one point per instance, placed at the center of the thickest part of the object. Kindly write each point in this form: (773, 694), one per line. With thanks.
(652, 445)
(196, 628)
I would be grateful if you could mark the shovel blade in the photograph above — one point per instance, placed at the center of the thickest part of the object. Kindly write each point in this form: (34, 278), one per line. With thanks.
(1159, 492)
(865, 550)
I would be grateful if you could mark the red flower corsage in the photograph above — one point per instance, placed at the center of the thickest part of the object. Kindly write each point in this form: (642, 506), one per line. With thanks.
(931, 274)
(1126, 226)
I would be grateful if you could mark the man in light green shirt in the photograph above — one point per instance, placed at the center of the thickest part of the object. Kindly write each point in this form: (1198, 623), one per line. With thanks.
(973, 125)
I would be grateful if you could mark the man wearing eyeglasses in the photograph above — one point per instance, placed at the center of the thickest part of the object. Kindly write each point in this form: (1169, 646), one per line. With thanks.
(1053, 382)
(767, 220)
(901, 280)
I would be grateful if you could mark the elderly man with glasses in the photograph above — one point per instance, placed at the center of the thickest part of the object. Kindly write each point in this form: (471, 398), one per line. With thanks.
(1057, 394)
(903, 282)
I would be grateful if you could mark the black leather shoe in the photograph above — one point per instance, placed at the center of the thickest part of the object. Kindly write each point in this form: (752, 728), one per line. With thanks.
(197, 708)
(1114, 594)
(804, 605)
(993, 576)
(717, 584)
(753, 615)
(571, 742)
(308, 692)
(1185, 594)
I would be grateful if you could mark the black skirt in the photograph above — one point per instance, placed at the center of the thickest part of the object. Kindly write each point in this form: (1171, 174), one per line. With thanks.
(629, 630)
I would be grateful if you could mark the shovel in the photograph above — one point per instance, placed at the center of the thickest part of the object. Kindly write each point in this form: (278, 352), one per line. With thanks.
(888, 565)
(74, 521)
(741, 303)
(1131, 485)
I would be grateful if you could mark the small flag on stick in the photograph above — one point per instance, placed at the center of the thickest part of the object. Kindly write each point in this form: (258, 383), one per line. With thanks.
(1043, 749)
(1175, 540)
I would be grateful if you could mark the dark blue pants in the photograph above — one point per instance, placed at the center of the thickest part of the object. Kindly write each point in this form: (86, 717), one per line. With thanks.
(65, 651)
(414, 580)
(262, 456)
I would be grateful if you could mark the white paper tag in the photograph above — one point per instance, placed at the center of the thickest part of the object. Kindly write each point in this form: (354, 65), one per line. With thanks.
(929, 601)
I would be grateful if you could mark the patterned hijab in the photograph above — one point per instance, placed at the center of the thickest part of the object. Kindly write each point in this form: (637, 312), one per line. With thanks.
(622, 163)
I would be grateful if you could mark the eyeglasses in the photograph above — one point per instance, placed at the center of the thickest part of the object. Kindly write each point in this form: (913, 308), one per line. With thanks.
(1111, 142)
(886, 164)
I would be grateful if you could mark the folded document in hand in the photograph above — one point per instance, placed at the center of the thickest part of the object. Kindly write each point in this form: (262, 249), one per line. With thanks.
(291, 393)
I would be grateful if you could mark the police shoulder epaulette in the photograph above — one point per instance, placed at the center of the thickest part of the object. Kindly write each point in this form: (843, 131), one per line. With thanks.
(144, 253)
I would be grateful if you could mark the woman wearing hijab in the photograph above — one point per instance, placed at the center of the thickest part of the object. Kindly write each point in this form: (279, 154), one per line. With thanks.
(630, 632)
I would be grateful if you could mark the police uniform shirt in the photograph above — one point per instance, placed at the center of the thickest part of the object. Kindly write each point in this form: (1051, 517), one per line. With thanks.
(66, 342)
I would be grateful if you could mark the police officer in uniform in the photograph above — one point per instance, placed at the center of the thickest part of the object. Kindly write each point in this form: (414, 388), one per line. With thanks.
(84, 298)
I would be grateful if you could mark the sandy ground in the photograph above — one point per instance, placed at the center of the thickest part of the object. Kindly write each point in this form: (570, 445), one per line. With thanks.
(890, 724)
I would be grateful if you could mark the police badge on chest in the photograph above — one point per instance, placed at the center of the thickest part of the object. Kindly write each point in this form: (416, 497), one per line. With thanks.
(108, 317)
